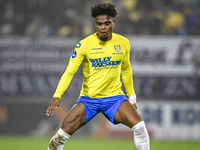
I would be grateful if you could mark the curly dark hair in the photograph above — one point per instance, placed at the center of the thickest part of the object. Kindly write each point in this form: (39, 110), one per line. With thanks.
(103, 9)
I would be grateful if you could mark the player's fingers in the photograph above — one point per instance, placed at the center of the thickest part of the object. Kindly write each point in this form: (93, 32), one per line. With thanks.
(50, 109)
(53, 105)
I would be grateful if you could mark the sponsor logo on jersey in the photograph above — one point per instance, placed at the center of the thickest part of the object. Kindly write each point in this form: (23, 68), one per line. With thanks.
(74, 53)
(117, 48)
(78, 45)
(97, 48)
(104, 62)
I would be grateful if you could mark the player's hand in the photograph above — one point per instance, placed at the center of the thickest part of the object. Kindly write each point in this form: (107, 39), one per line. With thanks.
(132, 100)
(53, 105)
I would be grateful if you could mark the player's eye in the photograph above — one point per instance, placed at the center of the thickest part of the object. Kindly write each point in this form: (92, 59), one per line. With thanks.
(107, 23)
(98, 23)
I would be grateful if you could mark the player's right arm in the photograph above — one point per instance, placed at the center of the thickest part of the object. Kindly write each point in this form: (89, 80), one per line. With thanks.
(62, 87)
(76, 59)
(66, 79)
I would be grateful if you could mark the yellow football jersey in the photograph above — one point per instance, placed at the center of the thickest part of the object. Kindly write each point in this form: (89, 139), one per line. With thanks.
(103, 63)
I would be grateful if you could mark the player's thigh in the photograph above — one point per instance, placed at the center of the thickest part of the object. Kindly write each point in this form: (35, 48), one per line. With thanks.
(74, 119)
(127, 115)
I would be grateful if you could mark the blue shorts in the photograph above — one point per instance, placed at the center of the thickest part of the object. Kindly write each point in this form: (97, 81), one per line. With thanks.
(108, 106)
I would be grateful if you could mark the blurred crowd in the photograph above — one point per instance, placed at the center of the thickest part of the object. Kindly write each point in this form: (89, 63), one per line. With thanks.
(72, 17)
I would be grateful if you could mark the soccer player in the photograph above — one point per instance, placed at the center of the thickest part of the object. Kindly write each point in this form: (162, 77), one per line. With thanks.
(104, 56)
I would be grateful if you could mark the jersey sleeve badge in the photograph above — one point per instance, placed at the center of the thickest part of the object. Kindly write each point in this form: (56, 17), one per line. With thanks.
(78, 45)
(74, 53)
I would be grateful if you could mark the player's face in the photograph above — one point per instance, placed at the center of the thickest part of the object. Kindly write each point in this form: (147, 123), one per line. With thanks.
(104, 25)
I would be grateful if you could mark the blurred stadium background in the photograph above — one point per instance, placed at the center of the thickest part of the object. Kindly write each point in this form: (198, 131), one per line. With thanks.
(36, 41)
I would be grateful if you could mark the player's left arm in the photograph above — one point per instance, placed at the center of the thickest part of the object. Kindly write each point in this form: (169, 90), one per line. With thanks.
(127, 78)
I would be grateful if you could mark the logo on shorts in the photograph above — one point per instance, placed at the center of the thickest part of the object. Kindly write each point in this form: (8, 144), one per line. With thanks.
(74, 53)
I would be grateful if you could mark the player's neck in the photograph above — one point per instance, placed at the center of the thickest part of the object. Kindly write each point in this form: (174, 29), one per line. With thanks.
(106, 38)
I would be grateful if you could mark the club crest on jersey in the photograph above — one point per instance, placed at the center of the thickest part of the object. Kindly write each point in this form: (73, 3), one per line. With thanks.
(117, 48)
(78, 45)
(74, 53)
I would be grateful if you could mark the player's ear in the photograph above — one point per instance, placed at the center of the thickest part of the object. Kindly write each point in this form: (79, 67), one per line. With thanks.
(113, 24)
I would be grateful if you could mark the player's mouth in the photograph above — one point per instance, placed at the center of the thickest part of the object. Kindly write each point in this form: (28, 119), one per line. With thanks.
(104, 34)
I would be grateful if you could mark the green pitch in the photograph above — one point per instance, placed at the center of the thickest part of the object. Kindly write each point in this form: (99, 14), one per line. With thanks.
(27, 143)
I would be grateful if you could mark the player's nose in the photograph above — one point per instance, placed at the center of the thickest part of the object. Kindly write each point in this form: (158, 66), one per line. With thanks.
(103, 27)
